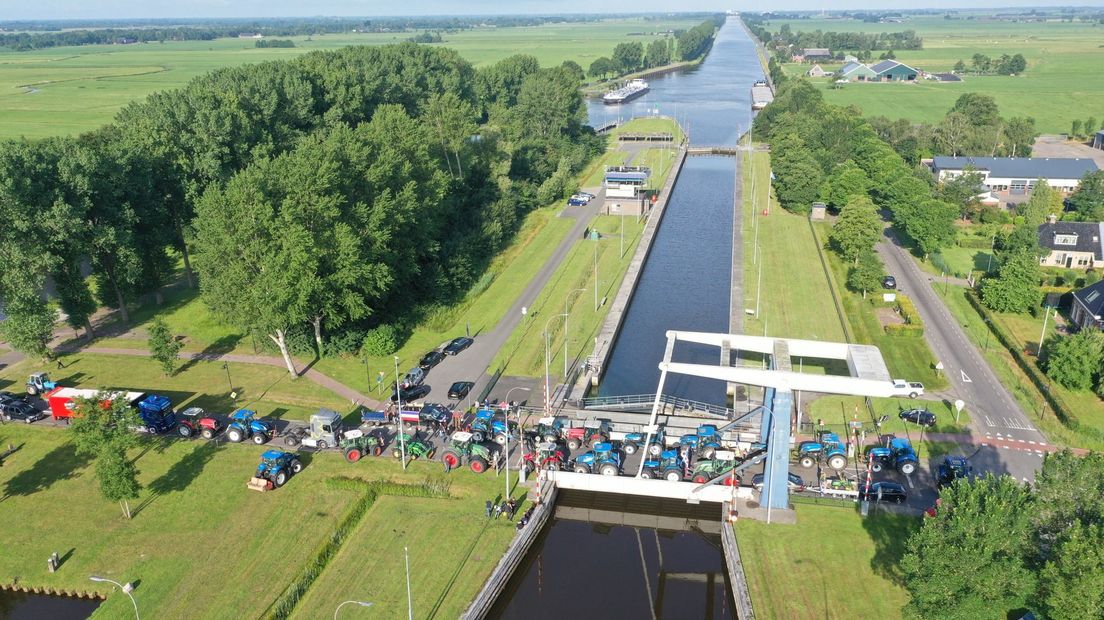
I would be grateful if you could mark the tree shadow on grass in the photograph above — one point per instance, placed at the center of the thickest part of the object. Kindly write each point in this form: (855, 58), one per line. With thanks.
(212, 352)
(181, 474)
(61, 463)
(890, 532)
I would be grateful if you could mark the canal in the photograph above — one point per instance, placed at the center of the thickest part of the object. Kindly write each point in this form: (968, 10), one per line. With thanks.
(25, 606)
(687, 278)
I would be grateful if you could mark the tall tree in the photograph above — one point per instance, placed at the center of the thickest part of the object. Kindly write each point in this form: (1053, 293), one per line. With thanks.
(867, 274)
(658, 53)
(1044, 201)
(962, 191)
(1016, 287)
(846, 182)
(1075, 361)
(163, 346)
(453, 120)
(101, 429)
(1071, 584)
(976, 546)
(1088, 200)
(857, 230)
(931, 225)
(629, 56)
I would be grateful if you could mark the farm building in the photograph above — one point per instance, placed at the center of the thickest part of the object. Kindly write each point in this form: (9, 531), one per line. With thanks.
(857, 72)
(1073, 245)
(1098, 140)
(1012, 178)
(893, 71)
(1087, 308)
(816, 71)
(813, 54)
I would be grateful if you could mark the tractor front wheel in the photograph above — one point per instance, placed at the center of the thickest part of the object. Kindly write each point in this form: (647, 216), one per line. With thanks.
(573, 443)
(807, 462)
(378, 450)
(353, 454)
(655, 449)
(296, 466)
(673, 475)
(450, 459)
(259, 438)
(647, 474)
(432, 452)
(478, 464)
(907, 468)
(322, 445)
(184, 430)
(234, 435)
(876, 466)
(207, 433)
(281, 478)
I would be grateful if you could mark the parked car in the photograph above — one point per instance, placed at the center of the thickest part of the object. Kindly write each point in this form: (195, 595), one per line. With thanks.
(10, 396)
(889, 282)
(411, 393)
(911, 389)
(923, 417)
(20, 410)
(458, 344)
(431, 359)
(460, 389)
(434, 412)
(576, 201)
(793, 482)
(883, 492)
(414, 376)
(587, 195)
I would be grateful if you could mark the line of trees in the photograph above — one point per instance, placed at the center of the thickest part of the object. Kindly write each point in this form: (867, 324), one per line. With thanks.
(317, 198)
(786, 39)
(980, 64)
(633, 56)
(266, 43)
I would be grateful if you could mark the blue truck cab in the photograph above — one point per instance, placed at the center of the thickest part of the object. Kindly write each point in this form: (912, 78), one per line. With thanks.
(156, 413)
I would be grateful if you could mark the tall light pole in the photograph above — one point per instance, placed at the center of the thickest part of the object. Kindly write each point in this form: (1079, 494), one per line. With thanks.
(507, 447)
(547, 382)
(409, 598)
(567, 298)
(398, 402)
(127, 589)
(361, 603)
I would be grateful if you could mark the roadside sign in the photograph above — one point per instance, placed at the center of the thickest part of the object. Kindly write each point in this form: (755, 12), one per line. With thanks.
(959, 404)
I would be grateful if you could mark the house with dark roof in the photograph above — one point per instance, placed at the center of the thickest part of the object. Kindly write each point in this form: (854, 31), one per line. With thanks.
(1012, 178)
(1087, 307)
(1073, 245)
(1098, 140)
(893, 71)
(814, 54)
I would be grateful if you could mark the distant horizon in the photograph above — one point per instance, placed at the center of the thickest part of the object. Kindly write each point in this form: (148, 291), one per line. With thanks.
(122, 10)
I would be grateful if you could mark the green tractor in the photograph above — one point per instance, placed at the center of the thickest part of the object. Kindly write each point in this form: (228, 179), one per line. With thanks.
(723, 461)
(463, 447)
(415, 447)
(355, 444)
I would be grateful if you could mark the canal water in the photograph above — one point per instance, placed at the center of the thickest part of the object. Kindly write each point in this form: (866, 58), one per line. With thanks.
(22, 606)
(687, 278)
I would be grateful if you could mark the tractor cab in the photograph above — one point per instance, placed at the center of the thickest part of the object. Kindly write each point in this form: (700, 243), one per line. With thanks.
(39, 383)
(897, 453)
(602, 459)
(156, 413)
(953, 468)
(461, 440)
(669, 466)
(549, 429)
(596, 431)
(709, 440)
(722, 462)
(274, 470)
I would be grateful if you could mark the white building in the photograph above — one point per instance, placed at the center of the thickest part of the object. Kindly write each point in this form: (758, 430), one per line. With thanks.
(1012, 178)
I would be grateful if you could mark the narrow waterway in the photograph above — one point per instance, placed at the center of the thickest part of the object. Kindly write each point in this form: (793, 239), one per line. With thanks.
(686, 280)
(22, 606)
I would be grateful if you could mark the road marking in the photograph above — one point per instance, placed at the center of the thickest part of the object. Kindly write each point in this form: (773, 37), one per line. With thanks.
(1030, 441)
(965, 378)
(989, 422)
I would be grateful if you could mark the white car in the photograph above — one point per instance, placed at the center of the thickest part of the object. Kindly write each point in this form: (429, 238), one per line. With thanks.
(906, 388)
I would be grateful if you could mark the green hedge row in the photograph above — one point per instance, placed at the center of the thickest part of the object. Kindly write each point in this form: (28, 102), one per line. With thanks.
(1061, 410)
(906, 330)
(913, 326)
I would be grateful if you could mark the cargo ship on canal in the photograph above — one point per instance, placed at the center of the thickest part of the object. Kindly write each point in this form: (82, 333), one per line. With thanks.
(632, 90)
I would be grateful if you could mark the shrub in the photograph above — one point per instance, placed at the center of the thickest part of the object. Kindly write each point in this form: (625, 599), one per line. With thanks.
(380, 341)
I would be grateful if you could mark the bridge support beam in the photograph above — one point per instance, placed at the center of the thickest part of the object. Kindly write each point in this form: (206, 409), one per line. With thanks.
(776, 475)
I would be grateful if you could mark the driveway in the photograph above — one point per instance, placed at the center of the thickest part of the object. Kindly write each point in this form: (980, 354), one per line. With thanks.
(1057, 146)
(995, 416)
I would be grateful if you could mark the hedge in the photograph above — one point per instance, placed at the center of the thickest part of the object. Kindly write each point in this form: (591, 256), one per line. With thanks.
(906, 330)
(913, 326)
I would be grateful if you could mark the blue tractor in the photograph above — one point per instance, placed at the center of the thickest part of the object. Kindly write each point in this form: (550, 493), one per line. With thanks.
(668, 466)
(704, 443)
(275, 469)
(39, 383)
(157, 414)
(245, 425)
(602, 459)
(485, 426)
(659, 442)
(954, 468)
(897, 453)
(827, 449)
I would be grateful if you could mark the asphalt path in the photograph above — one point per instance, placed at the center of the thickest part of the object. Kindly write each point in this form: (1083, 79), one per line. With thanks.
(996, 419)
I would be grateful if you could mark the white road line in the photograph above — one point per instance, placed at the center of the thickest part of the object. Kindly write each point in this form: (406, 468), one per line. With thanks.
(965, 377)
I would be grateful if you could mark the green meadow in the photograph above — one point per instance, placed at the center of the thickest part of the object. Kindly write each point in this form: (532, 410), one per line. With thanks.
(1062, 81)
(68, 90)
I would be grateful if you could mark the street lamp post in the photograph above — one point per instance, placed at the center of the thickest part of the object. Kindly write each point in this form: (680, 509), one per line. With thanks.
(226, 367)
(127, 589)
(547, 382)
(398, 402)
(507, 446)
(361, 603)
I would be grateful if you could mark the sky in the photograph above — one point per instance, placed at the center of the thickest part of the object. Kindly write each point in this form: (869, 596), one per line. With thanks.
(101, 9)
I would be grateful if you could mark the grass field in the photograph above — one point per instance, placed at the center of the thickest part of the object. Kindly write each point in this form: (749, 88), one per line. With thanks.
(837, 410)
(196, 528)
(1087, 407)
(1061, 83)
(794, 302)
(68, 90)
(832, 564)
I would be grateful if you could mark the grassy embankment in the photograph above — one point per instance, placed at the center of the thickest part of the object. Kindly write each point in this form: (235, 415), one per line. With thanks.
(197, 529)
(1059, 85)
(523, 353)
(1087, 408)
(832, 564)
(68, 90)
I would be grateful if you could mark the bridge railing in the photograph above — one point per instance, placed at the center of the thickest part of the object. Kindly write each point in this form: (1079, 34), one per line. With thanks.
(646, 401)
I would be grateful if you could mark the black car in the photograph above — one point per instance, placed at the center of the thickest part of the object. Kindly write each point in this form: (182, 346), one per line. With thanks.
(884, 492)
(6, 397)
(20, 410)
(431, 359)
(889, 282)
(435, 412)
(409, 394)
(460, 389)
(458, 344)
(923, 417)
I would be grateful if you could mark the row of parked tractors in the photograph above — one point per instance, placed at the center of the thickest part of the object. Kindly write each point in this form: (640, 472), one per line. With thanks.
(828, 450)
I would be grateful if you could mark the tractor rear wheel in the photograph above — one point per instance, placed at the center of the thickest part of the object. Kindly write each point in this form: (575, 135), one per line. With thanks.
(907, 468)
(629, 448)
(296, 466)
(573, 443)
(353, 454)
(234, 435)
(655, 449)
(876, 466)
(184, 430)
(807, 462)
(837, 462)
(259, 438)
(450, 459)
(700, 479)
(291, 441)
(281, 478)
(553, 465)
(377, 450)
(582, 469)
(608, 469)
(673, 475)
(207, 433)
(478, 464)
(647, 474)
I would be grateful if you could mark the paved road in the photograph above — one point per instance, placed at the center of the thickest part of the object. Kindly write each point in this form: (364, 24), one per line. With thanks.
(995, 415)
